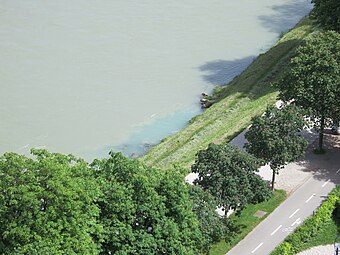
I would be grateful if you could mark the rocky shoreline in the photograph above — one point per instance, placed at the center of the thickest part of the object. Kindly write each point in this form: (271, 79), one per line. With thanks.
(205, 101)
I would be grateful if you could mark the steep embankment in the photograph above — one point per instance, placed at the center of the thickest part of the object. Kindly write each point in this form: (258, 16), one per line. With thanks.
(246, 96)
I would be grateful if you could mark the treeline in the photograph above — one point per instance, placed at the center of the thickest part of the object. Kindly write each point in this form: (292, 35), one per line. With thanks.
(57, 204)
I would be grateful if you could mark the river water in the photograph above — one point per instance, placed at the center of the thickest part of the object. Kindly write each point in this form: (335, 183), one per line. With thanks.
(85, 77)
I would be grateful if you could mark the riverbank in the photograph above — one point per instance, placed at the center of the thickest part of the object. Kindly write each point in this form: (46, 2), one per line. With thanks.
(237, 102)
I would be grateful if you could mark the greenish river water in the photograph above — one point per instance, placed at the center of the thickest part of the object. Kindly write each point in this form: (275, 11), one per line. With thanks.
(85, 77)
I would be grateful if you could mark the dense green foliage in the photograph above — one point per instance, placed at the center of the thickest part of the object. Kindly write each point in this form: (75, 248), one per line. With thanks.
(145, 211)
(313, 80)
(327, 12)
(310, 227)
(57, 204)
(213, 227)
(274, 137)
(229, 175)
(47, 205)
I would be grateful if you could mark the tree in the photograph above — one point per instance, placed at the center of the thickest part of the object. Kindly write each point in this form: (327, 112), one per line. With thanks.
(47, 205)
(327, 13)
(228, 174)
(213, 226)
(313, 80)
(144, 210)
(57, 204)
(274, 137)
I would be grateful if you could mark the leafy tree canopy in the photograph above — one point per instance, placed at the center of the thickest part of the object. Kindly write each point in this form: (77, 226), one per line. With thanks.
(228, 174)
(213, 226)
(327, 12)
(145, 211)
(313, 80)
(57, 204)
(274, 137)
(47, 205)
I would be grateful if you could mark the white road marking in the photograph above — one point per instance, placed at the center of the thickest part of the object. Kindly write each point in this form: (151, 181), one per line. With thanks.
(323, 185)
(294, 213)
(310, 198)
(338, 171)
(298, 221)
(276, 230)
(257, 247)
(289, 229)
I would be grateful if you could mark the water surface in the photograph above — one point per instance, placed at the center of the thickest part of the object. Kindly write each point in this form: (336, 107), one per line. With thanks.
(83, 77)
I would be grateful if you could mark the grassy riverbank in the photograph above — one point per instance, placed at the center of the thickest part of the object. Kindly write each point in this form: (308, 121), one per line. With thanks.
(246, 96)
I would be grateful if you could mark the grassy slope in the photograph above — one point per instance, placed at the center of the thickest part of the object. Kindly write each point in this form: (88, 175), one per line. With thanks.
(246, 96)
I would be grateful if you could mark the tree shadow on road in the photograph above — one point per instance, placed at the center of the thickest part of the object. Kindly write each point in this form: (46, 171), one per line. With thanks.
(324, 166)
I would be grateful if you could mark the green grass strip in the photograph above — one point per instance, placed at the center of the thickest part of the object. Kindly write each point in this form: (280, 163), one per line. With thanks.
(247, 221)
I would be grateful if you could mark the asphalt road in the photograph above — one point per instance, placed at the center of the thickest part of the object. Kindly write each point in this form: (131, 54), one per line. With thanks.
(290, 214)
